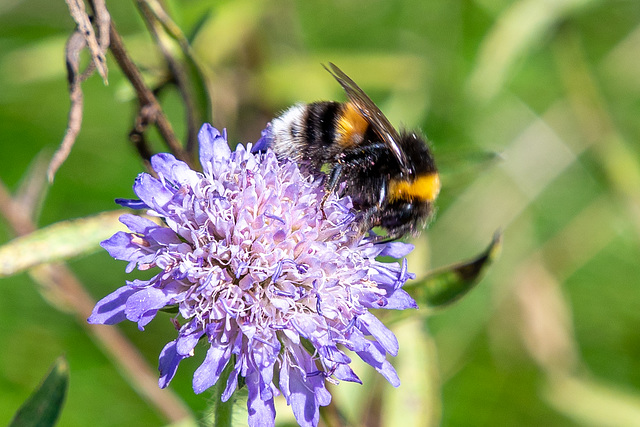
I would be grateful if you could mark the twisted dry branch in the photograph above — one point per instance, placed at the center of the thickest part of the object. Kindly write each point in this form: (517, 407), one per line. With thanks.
(83, 37)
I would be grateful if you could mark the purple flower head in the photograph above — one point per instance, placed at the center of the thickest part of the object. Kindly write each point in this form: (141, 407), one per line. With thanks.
(279, 287)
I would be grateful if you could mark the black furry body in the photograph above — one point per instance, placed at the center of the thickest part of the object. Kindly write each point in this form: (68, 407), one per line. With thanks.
(387, 174)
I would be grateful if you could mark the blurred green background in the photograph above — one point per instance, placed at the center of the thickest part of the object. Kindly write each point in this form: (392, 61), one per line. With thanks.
(533, 109)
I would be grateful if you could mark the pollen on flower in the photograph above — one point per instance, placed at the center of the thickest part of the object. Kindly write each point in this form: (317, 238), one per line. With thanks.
(257, 269)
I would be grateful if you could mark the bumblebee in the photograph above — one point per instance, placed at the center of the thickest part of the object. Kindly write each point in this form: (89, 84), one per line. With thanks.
(390, 176)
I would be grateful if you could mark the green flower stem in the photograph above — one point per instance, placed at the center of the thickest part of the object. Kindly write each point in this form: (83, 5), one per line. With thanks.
(223, 411)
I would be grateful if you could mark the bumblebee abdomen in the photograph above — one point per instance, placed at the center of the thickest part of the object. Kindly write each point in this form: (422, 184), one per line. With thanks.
(320, 124)
(288, 133)
(319, 132)
(351, 127)
(423, 189)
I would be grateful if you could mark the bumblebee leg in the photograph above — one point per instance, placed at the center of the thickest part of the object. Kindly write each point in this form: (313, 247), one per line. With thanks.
(370, 219)
(332, 183)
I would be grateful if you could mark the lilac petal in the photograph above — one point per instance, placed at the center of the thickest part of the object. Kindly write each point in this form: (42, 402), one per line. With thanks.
(266, 138)
(373, 300)
(404, 276)
(376, 328)
(356, 341)
(176, 171)
(146, 318)
(345, 373)
(213, 146)
(135, 249)
(322, 394)
(232, 382)
(306, 327)
(400, 300)
(265, 355)
(266, 379)
(397, 249)
(168, 364)
(119, 247)
(164, 164)
(138, 224)
(332, 353)
(132, 203)
(261, 413)
(389, 274)
(140, 284)
(303, 397)
(110, 309)
(164, 236)
(389, 373)
(284, 371)
(144, 304)
(375, 356)
(189, 336)
(209, 371)
(152, 192)
(304, 392)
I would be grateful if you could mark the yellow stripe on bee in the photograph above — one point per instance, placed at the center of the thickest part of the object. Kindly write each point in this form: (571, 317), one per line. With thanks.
(425, 188)
(351, 126)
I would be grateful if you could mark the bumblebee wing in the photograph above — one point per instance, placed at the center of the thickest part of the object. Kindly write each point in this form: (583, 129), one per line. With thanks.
(372, 113)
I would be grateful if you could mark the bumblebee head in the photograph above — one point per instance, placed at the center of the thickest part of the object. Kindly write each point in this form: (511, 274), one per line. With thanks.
(404, 217)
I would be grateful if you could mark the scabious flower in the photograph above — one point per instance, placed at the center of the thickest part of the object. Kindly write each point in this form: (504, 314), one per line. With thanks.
(277, 285)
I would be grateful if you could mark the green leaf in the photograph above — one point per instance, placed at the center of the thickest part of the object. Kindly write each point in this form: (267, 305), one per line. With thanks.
(58, 241)
(447, 285)
(43, 407)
